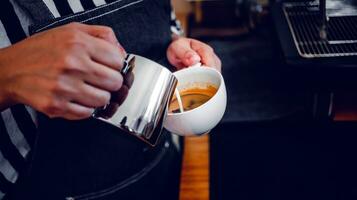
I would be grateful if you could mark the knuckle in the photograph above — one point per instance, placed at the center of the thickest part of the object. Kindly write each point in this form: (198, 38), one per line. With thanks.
(107, 31)
(53, 107)
(94, 72)
(67, 62)
(74, 39)
(56, 87)
(71, 64)
(73, 24)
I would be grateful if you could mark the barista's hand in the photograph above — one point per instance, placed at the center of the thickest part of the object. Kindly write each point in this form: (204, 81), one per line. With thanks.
(64, 72)
(184, 52)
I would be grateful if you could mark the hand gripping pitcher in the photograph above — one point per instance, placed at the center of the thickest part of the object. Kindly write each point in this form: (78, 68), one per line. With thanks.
(141, 105)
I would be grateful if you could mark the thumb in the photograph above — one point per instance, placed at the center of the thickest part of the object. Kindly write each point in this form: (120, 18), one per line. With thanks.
(190, 58)
(181, 52)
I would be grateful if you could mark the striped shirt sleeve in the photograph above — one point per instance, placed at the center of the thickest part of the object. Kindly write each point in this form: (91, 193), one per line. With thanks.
(17, 128)
(175, 24)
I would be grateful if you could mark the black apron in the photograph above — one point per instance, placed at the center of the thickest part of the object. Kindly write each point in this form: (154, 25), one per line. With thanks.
(89, 159)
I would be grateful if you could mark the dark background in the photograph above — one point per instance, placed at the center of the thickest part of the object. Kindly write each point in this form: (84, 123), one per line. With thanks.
(269, 146)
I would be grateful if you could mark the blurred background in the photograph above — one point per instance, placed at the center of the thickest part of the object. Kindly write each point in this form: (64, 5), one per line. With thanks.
(289, 130)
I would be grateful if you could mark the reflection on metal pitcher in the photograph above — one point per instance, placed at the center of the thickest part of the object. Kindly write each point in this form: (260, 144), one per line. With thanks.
(140, 106)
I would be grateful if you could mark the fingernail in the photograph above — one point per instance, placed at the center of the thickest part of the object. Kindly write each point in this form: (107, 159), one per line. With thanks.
(194, 58)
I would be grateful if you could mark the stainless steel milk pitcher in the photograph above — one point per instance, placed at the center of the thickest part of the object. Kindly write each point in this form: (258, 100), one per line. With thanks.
(141, 105)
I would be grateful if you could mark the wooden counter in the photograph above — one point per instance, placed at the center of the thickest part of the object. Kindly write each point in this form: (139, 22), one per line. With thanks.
(195, 169)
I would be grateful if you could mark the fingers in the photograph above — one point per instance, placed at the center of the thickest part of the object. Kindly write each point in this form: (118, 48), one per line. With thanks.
(61, 107)
(77, 112)
(103, 63)
(105, 53)
(181, 54)
(78, 103)
(102, 77)
(90, 96)
(186, 52)
(58, 101)
(102, 44)
(116, 100)
(105, 59)
(206, 52)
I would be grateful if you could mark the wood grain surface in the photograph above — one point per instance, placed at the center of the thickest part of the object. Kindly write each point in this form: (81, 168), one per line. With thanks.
(195, 169)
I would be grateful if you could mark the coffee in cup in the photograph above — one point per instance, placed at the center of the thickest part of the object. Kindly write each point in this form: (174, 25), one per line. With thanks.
(204, 98)
(192, 98)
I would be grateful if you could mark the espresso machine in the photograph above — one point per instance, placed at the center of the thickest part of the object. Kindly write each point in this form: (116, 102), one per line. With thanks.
(317, 33)
(318, 40)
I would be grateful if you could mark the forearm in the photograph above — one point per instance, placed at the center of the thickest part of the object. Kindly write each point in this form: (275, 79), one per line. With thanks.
(5, 97)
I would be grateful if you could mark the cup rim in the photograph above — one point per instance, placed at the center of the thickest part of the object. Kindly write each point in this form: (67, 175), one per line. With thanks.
(210, 100)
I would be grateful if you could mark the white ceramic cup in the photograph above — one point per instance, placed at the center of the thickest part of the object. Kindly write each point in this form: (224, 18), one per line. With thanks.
(204, 118)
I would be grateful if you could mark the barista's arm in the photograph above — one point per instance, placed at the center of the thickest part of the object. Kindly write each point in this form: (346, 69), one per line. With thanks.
(67, 78)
